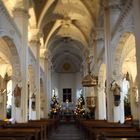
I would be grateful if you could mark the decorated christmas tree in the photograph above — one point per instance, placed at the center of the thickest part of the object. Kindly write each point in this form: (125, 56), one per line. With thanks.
(80, 107)
(55, 106)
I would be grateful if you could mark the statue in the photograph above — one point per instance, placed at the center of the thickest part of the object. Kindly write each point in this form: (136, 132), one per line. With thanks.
(2, 92)
(17, 95)
(115, 88)
(136, 94)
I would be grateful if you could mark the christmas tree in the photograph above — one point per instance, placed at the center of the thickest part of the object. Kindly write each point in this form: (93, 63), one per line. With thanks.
(55, 106)
(80, 107)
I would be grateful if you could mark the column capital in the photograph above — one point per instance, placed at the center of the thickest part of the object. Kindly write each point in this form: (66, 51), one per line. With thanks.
(47, 55)
(35, 34)
(112, 5)
(20, 12)
(35, 43)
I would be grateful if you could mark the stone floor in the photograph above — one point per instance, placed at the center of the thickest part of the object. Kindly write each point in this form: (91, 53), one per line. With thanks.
(66, 131)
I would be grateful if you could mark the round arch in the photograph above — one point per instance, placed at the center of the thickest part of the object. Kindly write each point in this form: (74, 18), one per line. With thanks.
(125, 61)
(125, 46)
(9, 53)
(9, 49)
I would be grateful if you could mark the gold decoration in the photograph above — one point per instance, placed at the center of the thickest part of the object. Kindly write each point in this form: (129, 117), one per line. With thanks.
(89, 80)
(91, 102)
(66, 66)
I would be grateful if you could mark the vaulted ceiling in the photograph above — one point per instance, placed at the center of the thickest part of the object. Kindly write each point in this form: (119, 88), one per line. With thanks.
(66, 27)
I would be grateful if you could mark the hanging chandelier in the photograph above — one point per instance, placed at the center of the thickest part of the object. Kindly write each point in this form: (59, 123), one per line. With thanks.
(89, 80)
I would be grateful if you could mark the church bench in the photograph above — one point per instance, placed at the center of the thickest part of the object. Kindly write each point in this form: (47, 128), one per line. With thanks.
(55, 122)
(111, 135)
(16, 132)
(85, 125)
(50, 124)
(41, 127)
(15, 137)
(94, 133)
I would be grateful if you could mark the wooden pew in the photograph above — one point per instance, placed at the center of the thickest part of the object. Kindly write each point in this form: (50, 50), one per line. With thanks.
(13, 138)
(42, 134)
(95, 133)
(93, 129)
(49, 123)
(28, 134)
(106, 135)
(44, 126)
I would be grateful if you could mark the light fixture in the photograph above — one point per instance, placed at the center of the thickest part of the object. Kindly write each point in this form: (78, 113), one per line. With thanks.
(89, 80)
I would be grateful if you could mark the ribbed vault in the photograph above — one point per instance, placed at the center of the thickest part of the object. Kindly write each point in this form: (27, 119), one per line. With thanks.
(66, 26)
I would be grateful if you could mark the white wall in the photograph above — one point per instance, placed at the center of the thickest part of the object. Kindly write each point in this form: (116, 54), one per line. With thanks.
(66, 80)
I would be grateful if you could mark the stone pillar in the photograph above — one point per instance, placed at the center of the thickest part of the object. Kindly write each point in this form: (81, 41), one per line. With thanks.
(108, 58)
(36, 45)
(119, 110)
(47, 83)
(16, 111)
(38, 111)
(101, 103)
(133, 103)
(21, 19)
(136, 15)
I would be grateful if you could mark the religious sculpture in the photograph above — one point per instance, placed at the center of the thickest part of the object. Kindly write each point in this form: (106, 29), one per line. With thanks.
(17, 95)
(115, 88)
(2, 91)
(135, 93)
(3, 86)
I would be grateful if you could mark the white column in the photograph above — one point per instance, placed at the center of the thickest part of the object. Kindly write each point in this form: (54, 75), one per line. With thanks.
(47, 84)
(16, 111)
(122, 114)
(38, 111)
(36, 45)
(136, 15)
(119, 110)
(101, 103)
(108, 58)
(21, 18)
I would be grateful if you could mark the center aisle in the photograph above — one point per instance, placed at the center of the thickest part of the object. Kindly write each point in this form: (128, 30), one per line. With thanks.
(66, 131)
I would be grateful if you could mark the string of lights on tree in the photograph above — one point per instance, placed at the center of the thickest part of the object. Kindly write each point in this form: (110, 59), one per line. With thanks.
(55, 106)
(80, 107)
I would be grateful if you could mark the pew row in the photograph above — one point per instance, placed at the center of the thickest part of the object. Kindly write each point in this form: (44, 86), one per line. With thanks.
(102, 130)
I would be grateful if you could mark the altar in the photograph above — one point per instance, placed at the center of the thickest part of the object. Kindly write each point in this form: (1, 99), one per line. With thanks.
(67, 111)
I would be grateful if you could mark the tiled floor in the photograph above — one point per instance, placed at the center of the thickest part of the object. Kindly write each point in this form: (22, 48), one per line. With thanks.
(66, 131)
